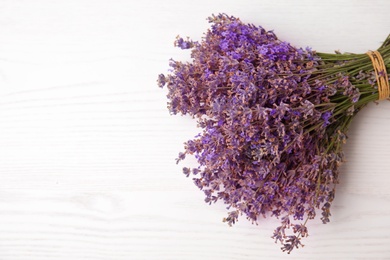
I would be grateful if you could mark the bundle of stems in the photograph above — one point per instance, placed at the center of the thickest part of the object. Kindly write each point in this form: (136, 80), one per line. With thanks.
(274, 119)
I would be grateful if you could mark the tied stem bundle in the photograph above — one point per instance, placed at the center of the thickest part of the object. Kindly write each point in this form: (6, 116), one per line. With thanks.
(274, 119)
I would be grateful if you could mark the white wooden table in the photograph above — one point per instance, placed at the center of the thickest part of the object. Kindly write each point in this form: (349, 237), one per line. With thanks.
(88, 148)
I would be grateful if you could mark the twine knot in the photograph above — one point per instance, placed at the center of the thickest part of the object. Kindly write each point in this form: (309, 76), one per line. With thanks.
(380, 73)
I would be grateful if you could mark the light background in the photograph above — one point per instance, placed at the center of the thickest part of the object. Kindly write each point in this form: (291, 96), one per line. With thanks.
(88, 148)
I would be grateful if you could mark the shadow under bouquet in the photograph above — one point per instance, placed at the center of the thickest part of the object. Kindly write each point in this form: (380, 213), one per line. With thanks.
(274, 119)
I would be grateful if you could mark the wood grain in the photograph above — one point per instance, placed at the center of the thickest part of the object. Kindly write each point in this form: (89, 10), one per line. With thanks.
(88, 148)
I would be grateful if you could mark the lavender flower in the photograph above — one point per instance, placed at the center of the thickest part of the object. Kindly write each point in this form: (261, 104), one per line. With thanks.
(273, 119)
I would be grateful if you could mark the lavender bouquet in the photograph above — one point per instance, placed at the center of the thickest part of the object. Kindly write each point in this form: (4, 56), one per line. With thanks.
(273, 117)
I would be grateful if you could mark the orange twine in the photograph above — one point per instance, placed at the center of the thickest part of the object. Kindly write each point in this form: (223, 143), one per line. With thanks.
(381, 74)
